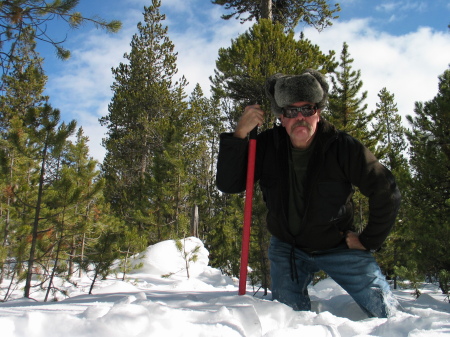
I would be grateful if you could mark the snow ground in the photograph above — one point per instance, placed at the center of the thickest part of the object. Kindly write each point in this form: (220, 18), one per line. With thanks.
(207, 305)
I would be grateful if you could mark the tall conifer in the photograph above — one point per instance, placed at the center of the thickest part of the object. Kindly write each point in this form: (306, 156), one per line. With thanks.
(22, 90)
(390, 150)
(430, 160)
(141, 122)
(46, 139)
(346, 108)
(347, 111)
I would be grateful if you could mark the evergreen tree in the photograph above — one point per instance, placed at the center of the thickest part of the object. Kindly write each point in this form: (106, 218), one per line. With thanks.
(71, 196)
(317, 13)
(23, 90)
(347, 111)
(202, 146)
(430, 160)
(242, 69)
(224, 239)
(43, 140)
(143, 118)
(100, 256)
(259, 245)
(391, 151)
(390, 132)
(346, 108)
(168, 180)
(50, 202)
(85, 178)
(220, 216)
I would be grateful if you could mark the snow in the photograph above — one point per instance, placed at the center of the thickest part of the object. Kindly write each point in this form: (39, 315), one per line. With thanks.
(206, 304)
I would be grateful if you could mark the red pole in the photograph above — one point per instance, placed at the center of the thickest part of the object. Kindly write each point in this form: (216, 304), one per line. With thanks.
(248, 211)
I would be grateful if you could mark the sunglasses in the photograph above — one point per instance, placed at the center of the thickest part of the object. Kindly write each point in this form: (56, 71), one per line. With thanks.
(306, 111)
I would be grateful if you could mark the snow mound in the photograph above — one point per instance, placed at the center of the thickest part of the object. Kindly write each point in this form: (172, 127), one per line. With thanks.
(116, 286)
(173, 260)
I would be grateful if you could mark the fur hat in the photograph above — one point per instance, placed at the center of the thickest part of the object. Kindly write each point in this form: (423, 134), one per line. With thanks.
(309, 86)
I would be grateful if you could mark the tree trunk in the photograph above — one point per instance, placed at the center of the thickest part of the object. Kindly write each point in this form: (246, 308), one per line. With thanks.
(93, 281)
(71, 257)
(125, 264)
(55, 266)
(266, 9)
(194, 222)
(58, 251)
(35, 225)
(82, 253)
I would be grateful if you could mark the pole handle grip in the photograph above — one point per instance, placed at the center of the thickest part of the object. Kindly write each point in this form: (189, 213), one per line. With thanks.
(253, 133)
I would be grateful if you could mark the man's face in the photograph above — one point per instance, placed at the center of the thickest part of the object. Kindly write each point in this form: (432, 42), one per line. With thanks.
(301, 129)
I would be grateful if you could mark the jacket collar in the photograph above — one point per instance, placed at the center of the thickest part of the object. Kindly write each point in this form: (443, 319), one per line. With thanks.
(326, 134)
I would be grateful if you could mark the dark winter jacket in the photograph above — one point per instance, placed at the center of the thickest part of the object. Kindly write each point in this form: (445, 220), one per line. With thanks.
(338, 163)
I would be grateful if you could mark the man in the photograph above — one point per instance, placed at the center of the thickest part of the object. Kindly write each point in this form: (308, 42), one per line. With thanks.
(307, 169)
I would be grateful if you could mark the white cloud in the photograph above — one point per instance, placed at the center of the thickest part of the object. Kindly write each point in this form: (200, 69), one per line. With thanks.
(198, 50)
(407, 65)
(82, 91)
(387, 7)
(418, 6)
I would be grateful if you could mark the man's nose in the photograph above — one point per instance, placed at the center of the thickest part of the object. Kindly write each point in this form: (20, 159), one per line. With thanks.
(300, 116)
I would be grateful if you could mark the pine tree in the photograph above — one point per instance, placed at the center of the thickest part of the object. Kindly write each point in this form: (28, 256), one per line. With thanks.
(390, 132)
(88, 185)
(391, 151)
(72, 195)
(201, 144)
(220, 216)
(145, 108)
(264, 50)
(288, 13)
(347, 111)
(23, 90)
(103, 252)
(430, 161)
(224, 237)
(51, 188)
(346, 108)
(46, 139)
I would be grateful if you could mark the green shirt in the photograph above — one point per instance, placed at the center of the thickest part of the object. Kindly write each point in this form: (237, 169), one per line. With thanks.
(298, 166)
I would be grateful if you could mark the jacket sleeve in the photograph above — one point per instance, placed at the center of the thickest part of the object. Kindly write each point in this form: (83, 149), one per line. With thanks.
(232, 164)
(377, 183)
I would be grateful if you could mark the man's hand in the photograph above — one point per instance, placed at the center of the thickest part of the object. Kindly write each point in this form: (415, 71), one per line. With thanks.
(352, 240)
(252, 116)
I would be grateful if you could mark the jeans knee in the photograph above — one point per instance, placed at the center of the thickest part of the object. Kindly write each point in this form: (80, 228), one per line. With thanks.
(379, 302)
(295, 300)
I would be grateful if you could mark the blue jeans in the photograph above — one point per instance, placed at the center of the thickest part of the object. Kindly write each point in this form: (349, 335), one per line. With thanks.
(356, 271)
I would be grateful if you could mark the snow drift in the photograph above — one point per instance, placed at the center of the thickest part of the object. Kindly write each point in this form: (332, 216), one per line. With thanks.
(207, 304)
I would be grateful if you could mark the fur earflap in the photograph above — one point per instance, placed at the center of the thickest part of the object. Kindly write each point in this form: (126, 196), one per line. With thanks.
(309, 86)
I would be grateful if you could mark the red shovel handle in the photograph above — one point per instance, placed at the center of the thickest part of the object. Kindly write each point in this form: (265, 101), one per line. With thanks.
(248, 211)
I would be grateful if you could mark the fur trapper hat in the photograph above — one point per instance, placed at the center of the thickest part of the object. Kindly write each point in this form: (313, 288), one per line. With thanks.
(309, 86)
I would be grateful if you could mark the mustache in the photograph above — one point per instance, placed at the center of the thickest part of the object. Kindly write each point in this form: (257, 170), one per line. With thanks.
(301, 123)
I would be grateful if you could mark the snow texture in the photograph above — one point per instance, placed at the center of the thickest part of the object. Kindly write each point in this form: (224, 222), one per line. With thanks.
(206, 304)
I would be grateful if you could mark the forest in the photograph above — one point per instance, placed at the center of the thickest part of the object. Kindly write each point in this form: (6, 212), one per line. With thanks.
(63, 213)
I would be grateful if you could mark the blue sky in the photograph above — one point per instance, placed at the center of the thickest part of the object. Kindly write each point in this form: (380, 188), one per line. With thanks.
(403, 45)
